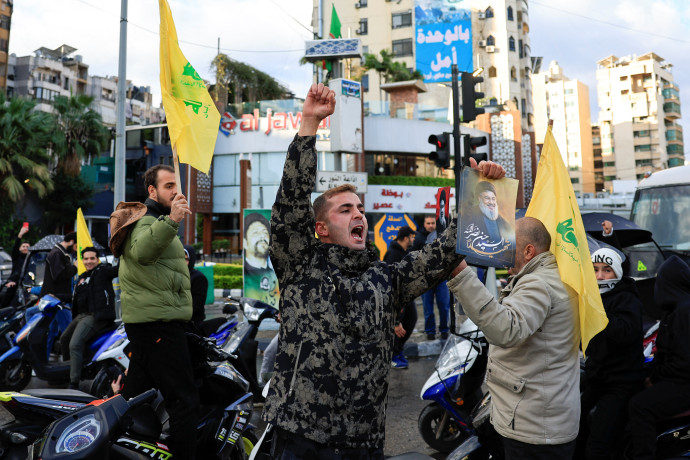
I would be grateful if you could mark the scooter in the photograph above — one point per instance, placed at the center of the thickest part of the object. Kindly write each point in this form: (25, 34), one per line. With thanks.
(115, 428)
(243, 341)
(672, 439)
(30, 347)
(14, 373)
(454, 388)
(112, 359)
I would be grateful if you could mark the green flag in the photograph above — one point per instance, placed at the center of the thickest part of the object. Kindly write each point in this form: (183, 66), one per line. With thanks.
(335, 24)
(334, 33)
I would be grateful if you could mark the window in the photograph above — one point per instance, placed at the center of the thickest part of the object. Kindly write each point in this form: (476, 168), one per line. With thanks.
(643, 148)
(520, 49)
(524, 106)
(363, 27)
(513, 74)
(402, 47)
(489, 13)
(365, 49)
(362, 3)
(574, 180)
(643, 133)
(569, 91)
(3, 44)
(492, 72)
(402, 19)
(511, 44)
(490, 41)
(609, 163)
(4, 22)
(365, 83)
(510, 13)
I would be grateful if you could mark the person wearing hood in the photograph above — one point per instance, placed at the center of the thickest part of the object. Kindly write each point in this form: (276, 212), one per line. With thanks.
(157, 302)
(667, 391)
(613, 370)
(199, 287)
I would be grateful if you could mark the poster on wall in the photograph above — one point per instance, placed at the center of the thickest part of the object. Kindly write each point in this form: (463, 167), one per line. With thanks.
(443, 36)
(260, 281)
(386, 229)
(486, 225)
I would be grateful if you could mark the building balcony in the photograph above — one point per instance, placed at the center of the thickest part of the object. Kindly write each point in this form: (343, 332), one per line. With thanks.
(671, 110)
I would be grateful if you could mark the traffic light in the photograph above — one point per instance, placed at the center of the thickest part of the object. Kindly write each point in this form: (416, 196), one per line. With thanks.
(470, 96)
(442, 154)
(471, 144)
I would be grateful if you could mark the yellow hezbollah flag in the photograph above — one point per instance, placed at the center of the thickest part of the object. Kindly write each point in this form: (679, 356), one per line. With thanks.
(83, 240)
(193, 119)
(554, 204)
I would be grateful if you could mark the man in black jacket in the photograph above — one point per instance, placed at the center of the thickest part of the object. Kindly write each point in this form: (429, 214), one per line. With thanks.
(407, 314)
(93, 308)
(60, 269)
(199, 288)
(667, 391)
(613, 370)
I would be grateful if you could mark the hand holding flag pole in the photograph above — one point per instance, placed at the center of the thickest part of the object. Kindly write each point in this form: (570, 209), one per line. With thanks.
(192, 117)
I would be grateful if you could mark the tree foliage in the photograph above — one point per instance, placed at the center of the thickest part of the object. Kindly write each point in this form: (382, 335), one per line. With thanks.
(245, 83)
(70, 194)
(24, 158)
(80, 132)
(389, 71)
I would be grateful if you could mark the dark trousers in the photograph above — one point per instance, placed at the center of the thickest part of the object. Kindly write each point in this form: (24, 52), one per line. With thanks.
(160, 359)
(517, 450)
(73, 342)
(409, 320)
(604, 413)
(289, 446)
(662, 400)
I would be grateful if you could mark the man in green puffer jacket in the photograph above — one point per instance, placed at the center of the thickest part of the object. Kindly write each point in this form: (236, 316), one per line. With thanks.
(157, 302)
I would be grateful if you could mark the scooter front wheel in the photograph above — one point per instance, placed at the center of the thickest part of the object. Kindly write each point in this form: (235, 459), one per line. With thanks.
(15, 374)
(452, 434)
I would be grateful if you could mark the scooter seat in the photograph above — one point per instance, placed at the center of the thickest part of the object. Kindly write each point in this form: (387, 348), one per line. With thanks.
(61, 394)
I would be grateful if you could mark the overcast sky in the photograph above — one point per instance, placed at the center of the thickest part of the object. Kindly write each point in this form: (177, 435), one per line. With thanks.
(270, 34)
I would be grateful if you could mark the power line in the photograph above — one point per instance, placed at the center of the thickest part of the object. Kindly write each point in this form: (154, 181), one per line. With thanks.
(192, 43)
(609, 23)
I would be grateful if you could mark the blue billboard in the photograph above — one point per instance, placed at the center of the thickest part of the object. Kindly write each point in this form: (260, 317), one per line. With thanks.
(443, 37)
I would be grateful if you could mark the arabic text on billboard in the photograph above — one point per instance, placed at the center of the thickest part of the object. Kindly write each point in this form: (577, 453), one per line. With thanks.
(443, 37)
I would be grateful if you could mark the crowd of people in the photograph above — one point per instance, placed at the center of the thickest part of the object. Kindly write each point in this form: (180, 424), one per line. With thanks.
(346, 314)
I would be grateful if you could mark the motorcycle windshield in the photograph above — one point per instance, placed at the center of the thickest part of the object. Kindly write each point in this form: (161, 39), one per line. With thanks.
(237, 337)
(457, 353)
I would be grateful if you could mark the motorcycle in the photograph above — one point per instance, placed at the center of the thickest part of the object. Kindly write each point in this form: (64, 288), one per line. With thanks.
(115, 428)
(243, 341)
(111, 359)
(14, 373)
(454, 388)
(29, 349)
(672, 440)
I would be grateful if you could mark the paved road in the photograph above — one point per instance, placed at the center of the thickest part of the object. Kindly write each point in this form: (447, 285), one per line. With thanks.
(404, 406)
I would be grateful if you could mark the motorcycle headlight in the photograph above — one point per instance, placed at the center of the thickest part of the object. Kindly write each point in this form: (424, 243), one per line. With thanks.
(79, 435)
(251, 313)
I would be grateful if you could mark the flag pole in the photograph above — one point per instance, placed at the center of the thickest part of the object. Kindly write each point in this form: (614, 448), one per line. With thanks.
(176, 163)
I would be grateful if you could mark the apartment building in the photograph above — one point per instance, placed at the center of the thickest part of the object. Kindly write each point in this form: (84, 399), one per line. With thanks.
(52, 72)
(596, 156)
(639, 113)
(491, 34)
(566, 103)
(5, 21)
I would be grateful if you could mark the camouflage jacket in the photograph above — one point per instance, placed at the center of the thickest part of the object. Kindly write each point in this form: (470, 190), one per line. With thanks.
(337, 306)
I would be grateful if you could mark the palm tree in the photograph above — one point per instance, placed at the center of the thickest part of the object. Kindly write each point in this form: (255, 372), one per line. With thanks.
(24, 158)
(80, 132)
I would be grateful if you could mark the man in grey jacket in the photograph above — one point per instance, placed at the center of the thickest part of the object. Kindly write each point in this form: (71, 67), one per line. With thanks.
(533, 372)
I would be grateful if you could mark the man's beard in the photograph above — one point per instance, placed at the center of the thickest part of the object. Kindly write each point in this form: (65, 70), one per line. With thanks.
(490, 214)
(261, 249)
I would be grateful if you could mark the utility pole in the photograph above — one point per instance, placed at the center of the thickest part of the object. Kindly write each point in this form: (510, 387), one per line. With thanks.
(120, 153)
